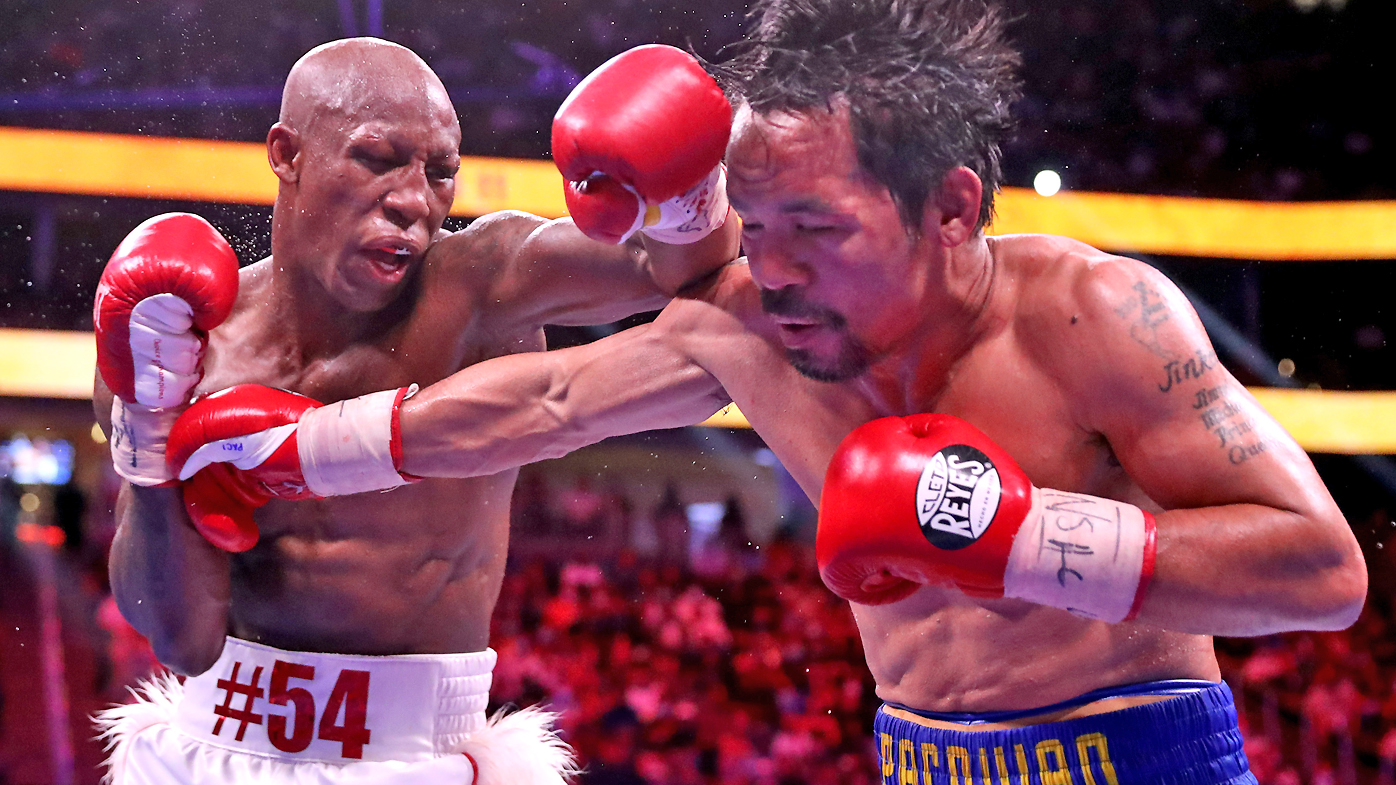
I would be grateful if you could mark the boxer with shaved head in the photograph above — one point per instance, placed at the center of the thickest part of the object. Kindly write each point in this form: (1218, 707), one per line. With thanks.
(347, 639)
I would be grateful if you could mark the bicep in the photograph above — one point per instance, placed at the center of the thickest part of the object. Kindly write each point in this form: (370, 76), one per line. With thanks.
(1183, 428)
(1249, 540)
(1215, 446)
(560, 276)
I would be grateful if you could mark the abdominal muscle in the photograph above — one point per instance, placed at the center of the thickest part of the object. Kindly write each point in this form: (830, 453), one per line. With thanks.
(939, 650)
(413, 571)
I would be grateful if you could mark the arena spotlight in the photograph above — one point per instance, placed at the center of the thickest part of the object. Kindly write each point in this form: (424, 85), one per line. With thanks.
(1306, 6)
(1047, 182)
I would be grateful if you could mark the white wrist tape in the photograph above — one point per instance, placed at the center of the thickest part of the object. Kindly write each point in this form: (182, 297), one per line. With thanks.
(347, 447)
(165, 352)
(1087, 555)
(138, 437)
(690, 216)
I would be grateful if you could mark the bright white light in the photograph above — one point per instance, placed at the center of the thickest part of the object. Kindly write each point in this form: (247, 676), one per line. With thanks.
(1047, 182)
(705, 517)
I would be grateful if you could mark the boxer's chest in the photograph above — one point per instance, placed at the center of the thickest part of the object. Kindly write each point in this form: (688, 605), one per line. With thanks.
(997, 387)
(1026, 410)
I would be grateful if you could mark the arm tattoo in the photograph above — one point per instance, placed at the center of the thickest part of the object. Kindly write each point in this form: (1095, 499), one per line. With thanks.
(1177, 371)
(1230, 423)
(1146, 312)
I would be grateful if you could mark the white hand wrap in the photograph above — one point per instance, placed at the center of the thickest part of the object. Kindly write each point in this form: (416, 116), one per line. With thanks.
(165, 352)
(688, 217)
(138, 437)
(347, 447)
(1090, 556)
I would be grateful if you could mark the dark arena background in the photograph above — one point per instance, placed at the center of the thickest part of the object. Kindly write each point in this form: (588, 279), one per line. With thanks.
(662, 591)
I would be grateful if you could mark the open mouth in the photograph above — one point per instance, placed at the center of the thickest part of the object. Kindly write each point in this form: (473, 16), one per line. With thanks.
(796, 323)
(389, 260)
(799, 332)
(390, 257)
(799, 322)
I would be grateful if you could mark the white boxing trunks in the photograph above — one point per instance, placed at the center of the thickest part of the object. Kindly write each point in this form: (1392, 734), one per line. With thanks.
(262, 714)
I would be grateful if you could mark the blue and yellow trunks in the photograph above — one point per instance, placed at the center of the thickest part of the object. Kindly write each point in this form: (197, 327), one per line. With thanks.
(1190, 739)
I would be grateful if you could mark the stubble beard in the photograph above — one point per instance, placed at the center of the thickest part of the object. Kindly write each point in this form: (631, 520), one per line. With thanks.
(850, 361)
(853, 360)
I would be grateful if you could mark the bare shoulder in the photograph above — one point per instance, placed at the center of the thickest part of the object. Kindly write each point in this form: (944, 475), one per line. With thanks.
(253, 282)
(1059, 276)
(1072, 296)
(482, 251)
(1109, 329)
(249, 312)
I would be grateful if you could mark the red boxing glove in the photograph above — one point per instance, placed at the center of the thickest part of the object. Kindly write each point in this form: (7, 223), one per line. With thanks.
(640, 142)
(172, 273)
(170, 281)
(245, 436)
(929, 499)
(240, 448)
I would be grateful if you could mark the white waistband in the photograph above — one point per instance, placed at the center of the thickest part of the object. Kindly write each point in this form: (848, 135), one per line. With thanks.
(337, 708)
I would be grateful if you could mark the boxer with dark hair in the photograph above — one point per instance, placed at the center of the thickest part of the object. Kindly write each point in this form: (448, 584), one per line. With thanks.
(1038, 486)
(347, 641)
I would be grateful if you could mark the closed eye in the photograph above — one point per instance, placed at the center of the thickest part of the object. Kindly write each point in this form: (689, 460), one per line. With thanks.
(819, 230)
(442, 172)
(376, 163)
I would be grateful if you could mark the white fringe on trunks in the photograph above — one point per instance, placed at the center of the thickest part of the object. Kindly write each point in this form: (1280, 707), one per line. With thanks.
(153, 741)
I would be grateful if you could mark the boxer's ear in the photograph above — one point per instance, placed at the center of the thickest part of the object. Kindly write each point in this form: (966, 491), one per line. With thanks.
(951, 212)
(283, 147)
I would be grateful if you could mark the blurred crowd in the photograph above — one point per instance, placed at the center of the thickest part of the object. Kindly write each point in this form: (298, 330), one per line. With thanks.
(1320, 707)
(1223, 98)
(751, 676)
(1267, 99)
(717, 659)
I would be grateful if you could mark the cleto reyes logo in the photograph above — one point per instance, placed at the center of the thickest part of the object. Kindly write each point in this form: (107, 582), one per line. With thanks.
(957, 496)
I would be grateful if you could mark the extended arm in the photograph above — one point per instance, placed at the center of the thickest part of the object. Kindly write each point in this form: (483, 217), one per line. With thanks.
(514, 410)
(492, 416)
(1249, 540)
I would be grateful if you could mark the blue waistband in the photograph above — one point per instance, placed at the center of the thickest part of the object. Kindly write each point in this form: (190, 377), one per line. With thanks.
(1165, 687)
(1190, 739)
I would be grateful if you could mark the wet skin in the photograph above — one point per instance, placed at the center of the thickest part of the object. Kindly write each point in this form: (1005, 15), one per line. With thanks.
(364, 291)
(1087, 368)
